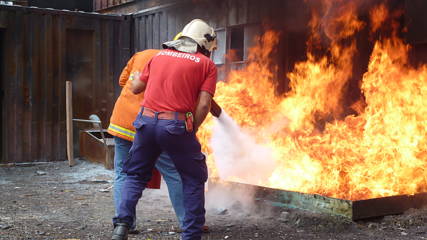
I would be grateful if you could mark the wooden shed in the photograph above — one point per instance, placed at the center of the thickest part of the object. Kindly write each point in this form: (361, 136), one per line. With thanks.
(41, 49)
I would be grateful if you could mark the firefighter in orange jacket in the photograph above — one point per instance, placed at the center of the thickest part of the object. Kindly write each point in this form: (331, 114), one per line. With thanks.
(125, 111)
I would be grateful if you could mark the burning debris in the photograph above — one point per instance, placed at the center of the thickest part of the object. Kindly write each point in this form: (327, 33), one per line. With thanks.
(317, 145)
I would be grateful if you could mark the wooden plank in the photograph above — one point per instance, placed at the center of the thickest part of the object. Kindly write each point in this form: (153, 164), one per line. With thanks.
(48, 84)
(40, 141)
(69, 110)
(127, 34)
(56, 96)
(104, 91)
(36, 87)
(9, 85)
(2, 97)
(19, 98)
(28, 33)
(118, 38)
(124, 55)
(61, 88)
(100, 63)
(99, 60)
(114, 52)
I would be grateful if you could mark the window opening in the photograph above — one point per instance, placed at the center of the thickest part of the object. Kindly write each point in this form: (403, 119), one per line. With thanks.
(236, 51)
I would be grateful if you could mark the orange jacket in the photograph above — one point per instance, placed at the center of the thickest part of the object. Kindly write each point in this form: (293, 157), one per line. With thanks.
(128, 104)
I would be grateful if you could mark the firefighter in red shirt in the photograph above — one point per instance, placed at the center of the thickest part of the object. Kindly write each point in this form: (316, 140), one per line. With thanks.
(178, 85)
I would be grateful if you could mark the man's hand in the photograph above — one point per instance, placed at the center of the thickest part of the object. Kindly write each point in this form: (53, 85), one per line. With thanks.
(202, 109)
(138, 86)
(215, 109)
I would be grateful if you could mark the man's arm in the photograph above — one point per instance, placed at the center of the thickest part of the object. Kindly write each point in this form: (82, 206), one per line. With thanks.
(140, 80)
(202, 109)
(138, 85)
(215, 109)
(124, 76)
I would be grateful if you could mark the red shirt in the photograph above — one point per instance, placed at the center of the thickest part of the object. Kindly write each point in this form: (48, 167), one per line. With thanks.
(174, 80)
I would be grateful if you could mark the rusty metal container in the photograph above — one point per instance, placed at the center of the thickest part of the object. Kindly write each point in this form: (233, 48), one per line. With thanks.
(93, 148)
(351, 209)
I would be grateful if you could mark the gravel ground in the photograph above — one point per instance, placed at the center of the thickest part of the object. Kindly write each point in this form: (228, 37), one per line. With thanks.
(54, 201)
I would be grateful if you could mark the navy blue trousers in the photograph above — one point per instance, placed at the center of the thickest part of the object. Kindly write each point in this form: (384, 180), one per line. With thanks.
(152, 137)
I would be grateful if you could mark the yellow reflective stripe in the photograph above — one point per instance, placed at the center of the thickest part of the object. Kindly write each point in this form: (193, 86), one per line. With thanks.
(122, 131)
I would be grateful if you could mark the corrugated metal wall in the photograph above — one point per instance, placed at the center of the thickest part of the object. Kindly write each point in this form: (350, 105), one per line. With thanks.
(158, 24)
(41, 50)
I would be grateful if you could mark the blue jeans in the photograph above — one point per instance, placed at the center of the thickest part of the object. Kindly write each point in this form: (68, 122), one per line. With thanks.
(154, 136)
(166, 168)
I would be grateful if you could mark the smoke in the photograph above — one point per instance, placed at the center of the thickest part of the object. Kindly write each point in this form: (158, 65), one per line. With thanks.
(237, 154)
(223, 198)
(238, 158)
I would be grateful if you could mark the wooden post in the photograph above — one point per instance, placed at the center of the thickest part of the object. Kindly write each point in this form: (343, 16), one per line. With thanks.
(69, 117)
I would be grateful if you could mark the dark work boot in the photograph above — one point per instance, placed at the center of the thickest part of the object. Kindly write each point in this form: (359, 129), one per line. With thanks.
(120, 232)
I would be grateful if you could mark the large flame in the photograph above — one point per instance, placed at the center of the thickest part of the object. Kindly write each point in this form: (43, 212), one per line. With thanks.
(380, 152)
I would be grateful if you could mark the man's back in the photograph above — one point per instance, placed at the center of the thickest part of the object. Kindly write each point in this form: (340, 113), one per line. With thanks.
(175, 79)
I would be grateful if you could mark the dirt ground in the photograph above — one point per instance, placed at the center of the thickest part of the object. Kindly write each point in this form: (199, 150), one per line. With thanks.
(54, 201)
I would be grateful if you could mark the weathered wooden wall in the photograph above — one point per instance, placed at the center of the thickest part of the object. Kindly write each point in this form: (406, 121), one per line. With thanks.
(103, 4)
(41, 49)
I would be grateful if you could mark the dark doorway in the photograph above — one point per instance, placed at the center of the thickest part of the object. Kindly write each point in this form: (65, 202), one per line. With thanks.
(2, 122)
(80, 71)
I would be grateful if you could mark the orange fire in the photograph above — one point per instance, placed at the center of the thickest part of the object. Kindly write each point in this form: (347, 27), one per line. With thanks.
(380, 152)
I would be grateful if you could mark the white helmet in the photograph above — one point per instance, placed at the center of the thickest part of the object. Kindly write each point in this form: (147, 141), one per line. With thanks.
(202, 33)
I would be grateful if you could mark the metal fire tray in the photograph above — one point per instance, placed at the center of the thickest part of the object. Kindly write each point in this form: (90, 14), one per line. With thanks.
(355, 210)
(95, 149)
